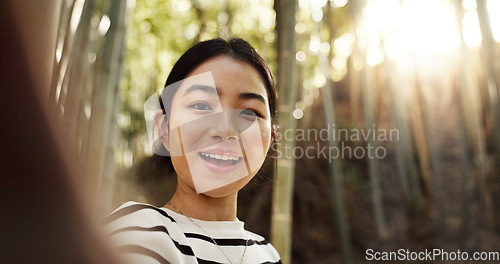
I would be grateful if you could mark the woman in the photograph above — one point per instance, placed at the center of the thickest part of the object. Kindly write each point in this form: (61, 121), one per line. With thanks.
(216, 121)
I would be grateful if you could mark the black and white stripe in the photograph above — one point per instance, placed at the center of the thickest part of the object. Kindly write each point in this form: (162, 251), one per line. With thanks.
(163, 236)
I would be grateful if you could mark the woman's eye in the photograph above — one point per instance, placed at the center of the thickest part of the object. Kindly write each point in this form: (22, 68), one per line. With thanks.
(201, 106)
(250, 113)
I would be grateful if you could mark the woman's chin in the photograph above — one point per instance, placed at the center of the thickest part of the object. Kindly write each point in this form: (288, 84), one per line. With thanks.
(229, 189)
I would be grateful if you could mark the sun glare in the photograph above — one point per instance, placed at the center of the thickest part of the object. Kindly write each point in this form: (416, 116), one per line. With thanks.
(420, 27)
(472, 33)
(494, 12)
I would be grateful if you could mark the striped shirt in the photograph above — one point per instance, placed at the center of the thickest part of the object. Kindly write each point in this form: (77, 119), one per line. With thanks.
(146, 234)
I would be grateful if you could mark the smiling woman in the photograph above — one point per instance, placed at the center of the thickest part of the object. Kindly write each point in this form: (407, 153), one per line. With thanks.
(216, 123)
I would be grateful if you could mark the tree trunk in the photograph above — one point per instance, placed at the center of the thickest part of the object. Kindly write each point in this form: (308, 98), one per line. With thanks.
(281, 219)
(432, 154)
(490, 57)
(335, 171)
(104, 97)
(61, 41)
(76, 79)
(472, 129)
(407, 169)
(335, 168)
(369, 105)
(368, 100)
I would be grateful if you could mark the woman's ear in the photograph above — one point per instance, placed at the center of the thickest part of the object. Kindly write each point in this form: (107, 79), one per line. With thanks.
(161, 125)
(272, 138)
(274, 128)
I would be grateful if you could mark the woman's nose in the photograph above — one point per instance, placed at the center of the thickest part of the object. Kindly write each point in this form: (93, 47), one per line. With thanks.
(224, 126)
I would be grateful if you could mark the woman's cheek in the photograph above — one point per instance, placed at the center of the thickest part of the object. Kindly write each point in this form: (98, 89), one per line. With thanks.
(188, 131)
(253, 140)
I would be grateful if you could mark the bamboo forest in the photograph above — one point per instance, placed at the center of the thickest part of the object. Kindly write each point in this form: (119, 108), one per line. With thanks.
(388, 117)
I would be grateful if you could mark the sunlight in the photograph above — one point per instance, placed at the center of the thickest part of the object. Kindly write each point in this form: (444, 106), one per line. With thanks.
(420, 27)
(315, 44)
(298, 113)
(494, 12)
(104, 25)
(342, 47)
(338, 3)
(472, 33)
(470, 22)
(469, 5)
(300, 56)
(76, 15)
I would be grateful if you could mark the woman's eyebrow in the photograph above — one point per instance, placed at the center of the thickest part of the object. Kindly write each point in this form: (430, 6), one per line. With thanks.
(246, 96)
(200, 87)
(212, 90)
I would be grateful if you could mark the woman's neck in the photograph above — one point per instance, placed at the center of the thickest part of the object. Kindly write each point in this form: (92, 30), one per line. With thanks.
(203, 207)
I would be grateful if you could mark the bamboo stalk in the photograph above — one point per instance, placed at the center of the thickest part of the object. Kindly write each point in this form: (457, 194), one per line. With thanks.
(433, 154)
(407, 170)
(78, 71)
(490, 58)
(369, 104)
(64, 18)
(418, 131)
(490, 54)
(468, 107)
(335, 168)
(104, 95)
(64, 43)
(335, 171)
(368, 99)
(68, 61)
(281, 219)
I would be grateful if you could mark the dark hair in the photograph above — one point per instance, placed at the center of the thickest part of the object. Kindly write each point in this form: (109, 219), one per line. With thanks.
(236, 48)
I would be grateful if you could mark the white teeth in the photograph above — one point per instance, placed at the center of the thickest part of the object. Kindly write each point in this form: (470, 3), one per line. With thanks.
(219, 157)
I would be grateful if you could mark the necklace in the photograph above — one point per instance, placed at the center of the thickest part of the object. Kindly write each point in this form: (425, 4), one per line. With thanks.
(213, 240)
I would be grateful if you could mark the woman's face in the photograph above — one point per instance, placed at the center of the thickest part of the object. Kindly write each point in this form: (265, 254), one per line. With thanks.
(219, 127)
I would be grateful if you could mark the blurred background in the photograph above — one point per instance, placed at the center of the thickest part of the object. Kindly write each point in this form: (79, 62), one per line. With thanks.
(428, 69)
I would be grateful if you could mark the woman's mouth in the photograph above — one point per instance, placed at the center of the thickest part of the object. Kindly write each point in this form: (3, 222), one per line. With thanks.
(220, 163)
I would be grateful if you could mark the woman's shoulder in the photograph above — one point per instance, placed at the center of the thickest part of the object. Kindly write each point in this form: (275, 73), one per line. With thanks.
(138, 214)
(144, 233)
(260, 246)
